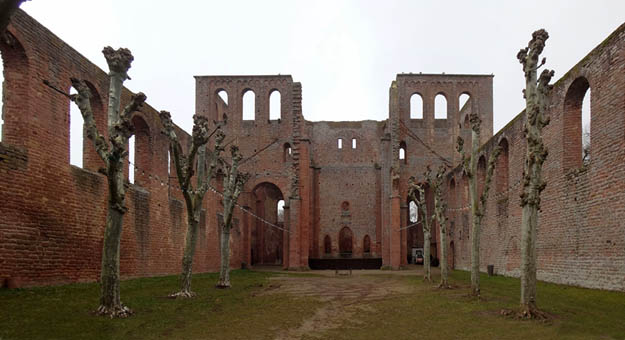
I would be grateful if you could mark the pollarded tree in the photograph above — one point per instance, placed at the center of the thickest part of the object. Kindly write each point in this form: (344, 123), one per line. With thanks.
(233, 182)
(536, 95)
(440, 207)
(416, 192)
(478, 207)
(113, 152)
(193, 196)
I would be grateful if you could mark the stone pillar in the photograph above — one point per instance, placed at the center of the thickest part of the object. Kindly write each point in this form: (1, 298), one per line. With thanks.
(294, 235)
(395, 234)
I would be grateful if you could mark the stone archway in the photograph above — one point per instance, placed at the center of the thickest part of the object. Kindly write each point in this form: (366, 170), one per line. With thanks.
(267, 242)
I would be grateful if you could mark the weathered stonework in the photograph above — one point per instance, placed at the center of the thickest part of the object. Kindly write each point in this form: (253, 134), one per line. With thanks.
(53, 213)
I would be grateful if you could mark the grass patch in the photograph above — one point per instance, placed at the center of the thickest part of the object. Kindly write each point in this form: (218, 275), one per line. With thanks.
(64, 312)
(432, 313)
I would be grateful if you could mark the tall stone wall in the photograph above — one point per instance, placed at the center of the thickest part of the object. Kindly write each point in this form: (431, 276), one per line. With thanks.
(581, 233)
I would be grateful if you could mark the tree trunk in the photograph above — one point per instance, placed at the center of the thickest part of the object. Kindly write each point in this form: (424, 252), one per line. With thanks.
(443, 261)
(536, 101)
(224, 273)
(427, 240)
(189, 252)
(476, 226)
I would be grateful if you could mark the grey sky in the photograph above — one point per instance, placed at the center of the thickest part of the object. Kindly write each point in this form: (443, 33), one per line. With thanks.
(345, 53)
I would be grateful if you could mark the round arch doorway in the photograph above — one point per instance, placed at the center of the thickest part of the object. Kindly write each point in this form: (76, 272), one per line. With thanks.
(268, 242)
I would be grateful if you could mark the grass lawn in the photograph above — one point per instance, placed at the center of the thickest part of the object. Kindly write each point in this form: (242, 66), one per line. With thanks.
(259, 306)
(64, 312)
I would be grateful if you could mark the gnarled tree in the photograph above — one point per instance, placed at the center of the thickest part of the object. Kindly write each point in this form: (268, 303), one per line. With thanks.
(416, 192)
(233, 182)
(113, 152)
(536, 95)
(478, 208)
(440, 207)
(193, 196)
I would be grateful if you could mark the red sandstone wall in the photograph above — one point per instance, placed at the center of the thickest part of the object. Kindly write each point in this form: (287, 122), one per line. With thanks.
(581, 233)
(53, 213)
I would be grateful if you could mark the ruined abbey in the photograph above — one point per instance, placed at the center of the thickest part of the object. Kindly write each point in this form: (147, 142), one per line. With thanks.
(319, 191)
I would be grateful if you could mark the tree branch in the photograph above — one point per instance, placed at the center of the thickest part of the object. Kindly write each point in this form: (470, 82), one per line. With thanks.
(83, 101)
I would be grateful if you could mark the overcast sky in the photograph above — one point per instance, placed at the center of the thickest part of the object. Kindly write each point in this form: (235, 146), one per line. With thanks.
(345, 53)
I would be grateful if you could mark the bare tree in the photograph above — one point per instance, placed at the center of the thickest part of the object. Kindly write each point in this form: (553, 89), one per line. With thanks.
(193, 196)
(120, 129)
(478, 208)
(233, 182)
(440, 207)
(416, 192)
(536, 95)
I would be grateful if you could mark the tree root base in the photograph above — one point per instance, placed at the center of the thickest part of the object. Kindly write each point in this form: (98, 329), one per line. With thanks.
(444, 286)
(526, 313)
(120, 311)
(181, 295)
(223, 285)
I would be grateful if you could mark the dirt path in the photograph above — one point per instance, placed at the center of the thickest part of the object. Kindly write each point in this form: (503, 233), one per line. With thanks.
(344, 296)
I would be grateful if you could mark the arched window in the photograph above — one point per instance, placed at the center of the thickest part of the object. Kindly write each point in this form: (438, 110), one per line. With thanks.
(13, 82)
(249, 105)
(413, 211)
(416, 106)
(280, 208)
(340, 143)
(168, 163)
(345, 241)
(275, 106)
(140, 153)
(501, 168)
(131, 159)
(287, 152)
(327, 244)
(574, 153)
(402, 152)
(353, 143)
(440, 106)
(481, 175)
(223, 95)
(366, 245)
(463, 101)
(452, 194)
(76, 127)
(586, 128)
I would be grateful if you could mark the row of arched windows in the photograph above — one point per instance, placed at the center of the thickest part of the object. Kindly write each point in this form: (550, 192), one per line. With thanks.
(249, 104)
(440, 105)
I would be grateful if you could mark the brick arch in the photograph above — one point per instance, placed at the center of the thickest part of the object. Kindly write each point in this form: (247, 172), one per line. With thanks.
(447, 104)
(243, 93)
(414, 113)
(572, 123)
(15, 101)
(267, 246)
(280, 107)
(220, 107)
